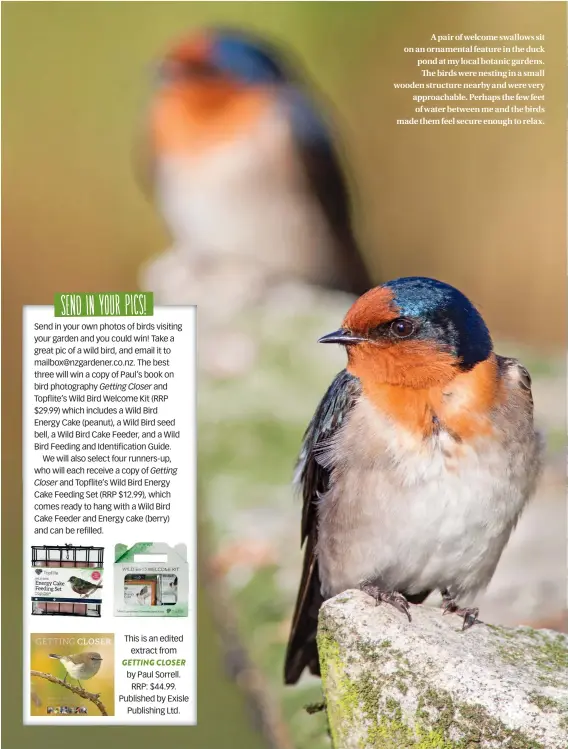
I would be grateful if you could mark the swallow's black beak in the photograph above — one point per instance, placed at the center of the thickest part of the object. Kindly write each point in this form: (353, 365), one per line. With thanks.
(343, 337)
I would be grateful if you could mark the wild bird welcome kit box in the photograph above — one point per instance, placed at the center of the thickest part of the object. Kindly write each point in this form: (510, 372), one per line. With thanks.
(150, 579)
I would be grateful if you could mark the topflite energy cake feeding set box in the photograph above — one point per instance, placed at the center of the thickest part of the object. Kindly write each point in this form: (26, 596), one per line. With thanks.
(67, 580)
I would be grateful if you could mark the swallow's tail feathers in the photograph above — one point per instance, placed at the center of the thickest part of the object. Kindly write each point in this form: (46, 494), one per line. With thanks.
(302, 648)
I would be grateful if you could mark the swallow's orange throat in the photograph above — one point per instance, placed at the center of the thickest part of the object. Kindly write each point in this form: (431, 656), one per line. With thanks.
(189, 117)
(433, 397)
(423, 356)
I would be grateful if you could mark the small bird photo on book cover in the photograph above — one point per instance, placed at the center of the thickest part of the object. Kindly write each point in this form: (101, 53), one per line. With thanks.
(72, 674)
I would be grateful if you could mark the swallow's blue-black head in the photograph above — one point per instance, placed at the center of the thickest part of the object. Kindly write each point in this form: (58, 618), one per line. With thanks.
(416, 325)
(445, 315)
(246, 58)
(228, 54)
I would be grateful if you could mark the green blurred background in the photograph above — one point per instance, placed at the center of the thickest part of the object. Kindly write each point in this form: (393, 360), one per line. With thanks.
(483, 208)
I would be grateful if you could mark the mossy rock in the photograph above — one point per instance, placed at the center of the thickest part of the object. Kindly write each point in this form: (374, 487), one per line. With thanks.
(391, 684)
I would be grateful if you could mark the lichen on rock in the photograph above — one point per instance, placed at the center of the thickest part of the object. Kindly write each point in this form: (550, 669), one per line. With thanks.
(391, 684)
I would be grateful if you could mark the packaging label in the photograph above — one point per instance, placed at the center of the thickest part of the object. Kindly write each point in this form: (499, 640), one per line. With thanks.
(67, 585)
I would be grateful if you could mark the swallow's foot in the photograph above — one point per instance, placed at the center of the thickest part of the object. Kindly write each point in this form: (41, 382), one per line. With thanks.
(449, 606)
(392, 597)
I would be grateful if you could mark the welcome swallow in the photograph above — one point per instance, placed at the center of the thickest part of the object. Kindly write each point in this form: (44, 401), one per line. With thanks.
(418, 461)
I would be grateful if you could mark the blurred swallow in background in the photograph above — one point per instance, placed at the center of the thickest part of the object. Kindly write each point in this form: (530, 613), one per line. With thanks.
(244, 169)
(418, 461)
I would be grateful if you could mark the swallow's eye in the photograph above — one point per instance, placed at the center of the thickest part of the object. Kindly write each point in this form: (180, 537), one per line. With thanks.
(402, 328)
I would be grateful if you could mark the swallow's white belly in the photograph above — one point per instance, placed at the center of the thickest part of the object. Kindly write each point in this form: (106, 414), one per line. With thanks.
(411, 519)
(244, 199)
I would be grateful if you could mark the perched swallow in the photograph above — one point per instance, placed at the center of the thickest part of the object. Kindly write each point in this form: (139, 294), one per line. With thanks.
(80, 665)
(418, 461)
(83, 587)
(243, 164)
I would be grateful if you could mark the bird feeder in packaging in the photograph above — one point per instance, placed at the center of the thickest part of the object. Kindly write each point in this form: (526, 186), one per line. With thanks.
(67, 580)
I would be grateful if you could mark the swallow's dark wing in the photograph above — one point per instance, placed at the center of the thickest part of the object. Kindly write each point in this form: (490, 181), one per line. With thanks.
(327, 182)
(314, 481)
(507, 364)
